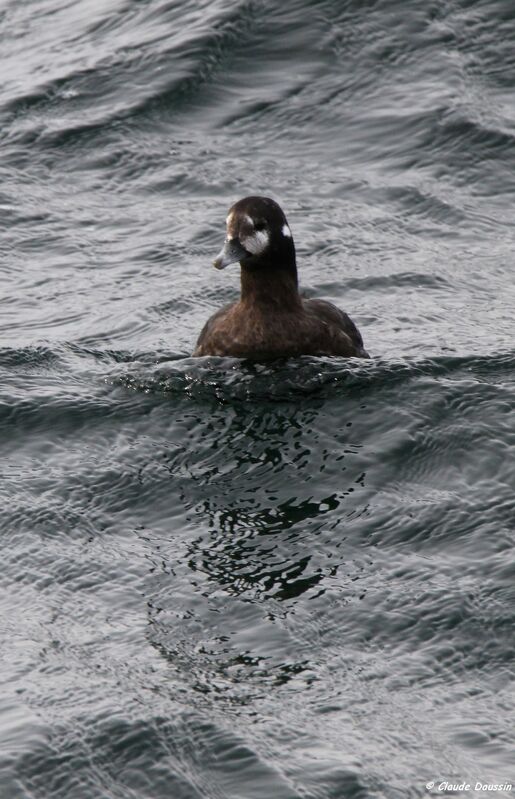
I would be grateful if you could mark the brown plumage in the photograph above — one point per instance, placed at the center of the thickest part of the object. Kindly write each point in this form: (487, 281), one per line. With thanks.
(271, 320)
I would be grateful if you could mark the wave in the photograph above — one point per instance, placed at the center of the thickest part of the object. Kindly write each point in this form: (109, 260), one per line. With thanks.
(228, 379)
(149, 71)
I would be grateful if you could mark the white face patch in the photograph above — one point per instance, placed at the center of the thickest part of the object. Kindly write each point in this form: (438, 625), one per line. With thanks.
(248, 219)
(286, 231)
(257, 243)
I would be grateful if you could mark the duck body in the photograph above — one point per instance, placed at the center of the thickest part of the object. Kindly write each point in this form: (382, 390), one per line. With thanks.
(264, 333)
(271, 319)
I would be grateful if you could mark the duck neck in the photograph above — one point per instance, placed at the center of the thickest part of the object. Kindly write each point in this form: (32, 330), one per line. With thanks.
(270, 286)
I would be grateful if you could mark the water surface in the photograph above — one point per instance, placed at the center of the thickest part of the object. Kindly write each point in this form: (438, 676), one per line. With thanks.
(230, 580)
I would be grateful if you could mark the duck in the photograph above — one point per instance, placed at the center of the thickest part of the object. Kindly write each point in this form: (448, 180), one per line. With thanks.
(271, 319)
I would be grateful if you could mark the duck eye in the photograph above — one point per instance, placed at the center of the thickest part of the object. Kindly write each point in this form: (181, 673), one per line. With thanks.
(260, 225)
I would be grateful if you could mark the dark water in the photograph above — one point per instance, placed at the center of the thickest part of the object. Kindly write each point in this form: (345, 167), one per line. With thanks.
(229, 581)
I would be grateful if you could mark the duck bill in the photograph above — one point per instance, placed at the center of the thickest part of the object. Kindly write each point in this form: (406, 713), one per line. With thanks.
(231, 251)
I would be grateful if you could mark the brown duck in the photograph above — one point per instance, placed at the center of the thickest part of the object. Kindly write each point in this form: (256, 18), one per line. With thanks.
(271, 319)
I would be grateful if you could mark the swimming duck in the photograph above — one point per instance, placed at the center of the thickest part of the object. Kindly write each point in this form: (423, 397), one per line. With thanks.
(271, 319)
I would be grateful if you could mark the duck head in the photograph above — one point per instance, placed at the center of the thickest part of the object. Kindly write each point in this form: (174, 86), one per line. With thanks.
(258, 235)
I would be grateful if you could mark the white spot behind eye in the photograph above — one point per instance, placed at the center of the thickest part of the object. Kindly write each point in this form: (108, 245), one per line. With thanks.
(249, 220)
(256, 243)
(286, 231)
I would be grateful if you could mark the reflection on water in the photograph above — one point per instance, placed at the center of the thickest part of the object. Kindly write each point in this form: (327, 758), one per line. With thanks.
(268, 492)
